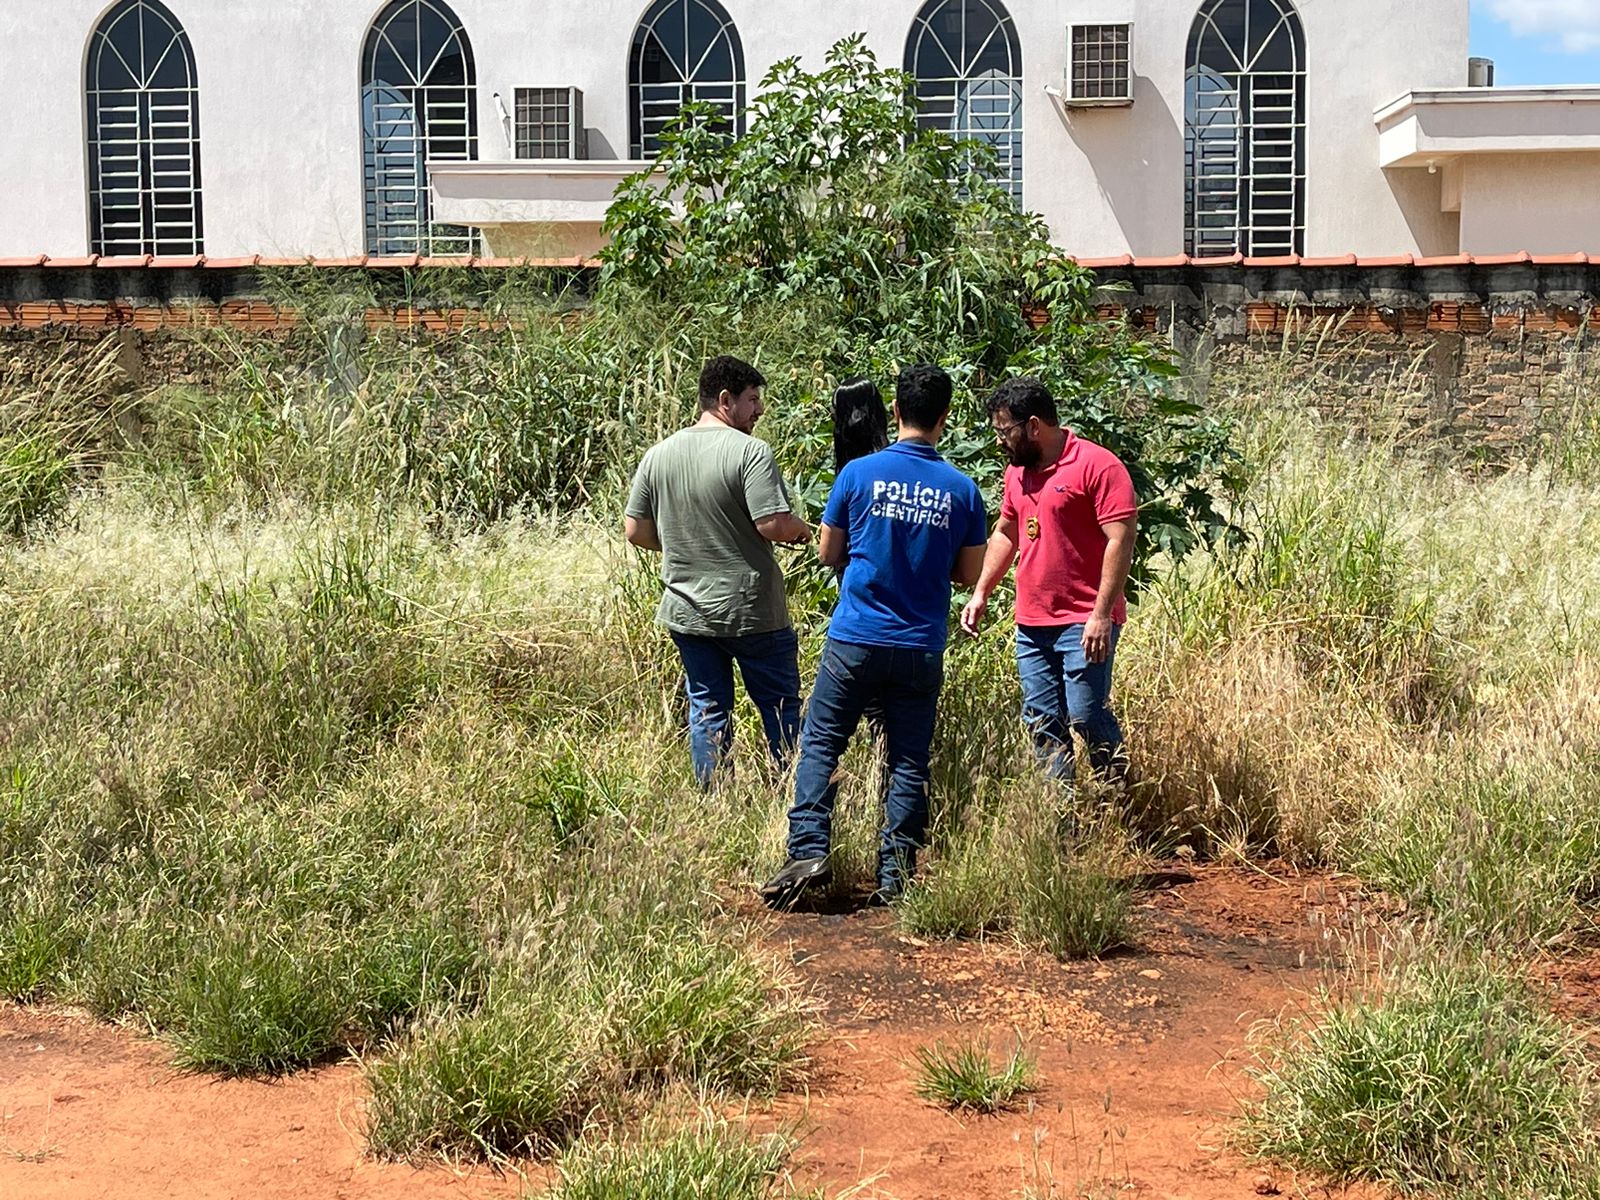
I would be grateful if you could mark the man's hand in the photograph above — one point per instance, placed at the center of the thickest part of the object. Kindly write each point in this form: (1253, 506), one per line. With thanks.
(1097, 639)
(973, 611)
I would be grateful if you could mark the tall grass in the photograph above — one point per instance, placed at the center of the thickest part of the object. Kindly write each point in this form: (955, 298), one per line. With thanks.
(332, 720)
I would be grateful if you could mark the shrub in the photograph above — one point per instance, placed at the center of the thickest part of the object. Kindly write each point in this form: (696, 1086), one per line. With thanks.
(886, 243)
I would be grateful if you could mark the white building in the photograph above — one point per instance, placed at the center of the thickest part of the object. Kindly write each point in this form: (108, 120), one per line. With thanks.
(1152, 128)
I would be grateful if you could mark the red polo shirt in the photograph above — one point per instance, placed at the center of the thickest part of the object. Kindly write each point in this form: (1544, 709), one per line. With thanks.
(1064, 505)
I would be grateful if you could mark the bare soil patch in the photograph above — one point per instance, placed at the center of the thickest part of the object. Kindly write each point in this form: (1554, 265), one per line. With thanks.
(1140, 1058)
(1140, 1054)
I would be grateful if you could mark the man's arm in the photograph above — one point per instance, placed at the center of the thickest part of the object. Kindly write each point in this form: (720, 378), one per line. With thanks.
(833, 545)
(997, 559)
(641, 532)
(969, 565)
(784, 527)
(1114, 568)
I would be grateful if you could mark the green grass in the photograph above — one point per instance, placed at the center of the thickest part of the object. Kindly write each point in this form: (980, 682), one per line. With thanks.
(709, 1160)
(966, 1076)
(513, 1077)
(1447, 1077)
(1015, 870)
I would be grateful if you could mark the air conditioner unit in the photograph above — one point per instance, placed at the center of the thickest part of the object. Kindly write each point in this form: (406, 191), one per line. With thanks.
(549, 123)
(1099, 66)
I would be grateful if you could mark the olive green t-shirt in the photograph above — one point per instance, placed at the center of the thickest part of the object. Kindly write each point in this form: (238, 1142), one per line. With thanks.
(705, 487)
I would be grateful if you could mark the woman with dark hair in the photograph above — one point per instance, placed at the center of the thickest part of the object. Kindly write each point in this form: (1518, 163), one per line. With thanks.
(860, 421)
(860, 428)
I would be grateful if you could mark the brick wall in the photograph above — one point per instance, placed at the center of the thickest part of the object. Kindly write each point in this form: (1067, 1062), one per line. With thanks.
(1483, 356)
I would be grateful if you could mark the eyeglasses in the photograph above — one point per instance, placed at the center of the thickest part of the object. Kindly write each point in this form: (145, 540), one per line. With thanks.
(1002, 431)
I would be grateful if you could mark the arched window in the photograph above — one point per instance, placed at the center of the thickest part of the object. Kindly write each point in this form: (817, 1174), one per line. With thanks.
(1245, 130)
(144, 134)
(967, 63)
(419, 100)
(683, 50)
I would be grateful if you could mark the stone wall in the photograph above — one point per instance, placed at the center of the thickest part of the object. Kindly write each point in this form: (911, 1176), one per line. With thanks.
(1484, 356)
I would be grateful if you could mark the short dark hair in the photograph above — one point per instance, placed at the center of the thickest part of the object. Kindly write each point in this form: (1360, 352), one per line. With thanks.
(725, 373)
(1023, 397)
(860, 421)
(923, 393)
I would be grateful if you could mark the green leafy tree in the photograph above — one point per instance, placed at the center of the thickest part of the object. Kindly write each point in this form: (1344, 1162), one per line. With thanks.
(879, 242)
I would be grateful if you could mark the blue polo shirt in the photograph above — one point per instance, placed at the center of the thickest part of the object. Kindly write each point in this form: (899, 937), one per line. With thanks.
(908, 514)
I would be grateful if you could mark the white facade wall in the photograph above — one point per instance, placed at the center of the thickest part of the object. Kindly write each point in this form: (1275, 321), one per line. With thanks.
(281, 131)
(1501, 213)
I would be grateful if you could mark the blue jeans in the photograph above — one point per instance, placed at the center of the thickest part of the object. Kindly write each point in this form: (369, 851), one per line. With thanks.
(770, 665)
(1062, 693)
(904, 684)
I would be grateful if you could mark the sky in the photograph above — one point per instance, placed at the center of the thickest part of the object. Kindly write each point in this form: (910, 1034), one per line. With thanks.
(1538, 41)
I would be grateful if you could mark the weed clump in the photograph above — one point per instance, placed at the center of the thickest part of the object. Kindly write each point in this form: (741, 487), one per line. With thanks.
(512, 1078)
(1447, 1074)
(1029, 870)
(966, 1076)
(709, 1160)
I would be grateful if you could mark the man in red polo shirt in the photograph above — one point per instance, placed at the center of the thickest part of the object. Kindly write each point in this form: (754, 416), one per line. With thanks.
(1067, 520)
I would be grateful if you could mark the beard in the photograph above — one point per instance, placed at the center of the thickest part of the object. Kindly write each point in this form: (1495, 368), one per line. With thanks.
(1027, 456)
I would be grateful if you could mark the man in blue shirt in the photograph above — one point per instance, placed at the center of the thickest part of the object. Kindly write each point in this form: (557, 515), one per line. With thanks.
(905, 525)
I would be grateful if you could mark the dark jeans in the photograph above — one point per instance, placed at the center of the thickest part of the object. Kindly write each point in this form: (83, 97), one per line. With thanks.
(770, 665)
(905, 685)
(1062, 693)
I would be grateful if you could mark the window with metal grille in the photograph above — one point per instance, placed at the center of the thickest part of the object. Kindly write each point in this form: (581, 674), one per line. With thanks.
(144, 135)
(1245, 130)
(1100, 69)
(550, 123)
(419, 101)
(966, 61)
(683, 51)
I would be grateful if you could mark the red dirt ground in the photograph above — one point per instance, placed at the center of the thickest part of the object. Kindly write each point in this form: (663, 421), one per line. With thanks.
(1140, 1057)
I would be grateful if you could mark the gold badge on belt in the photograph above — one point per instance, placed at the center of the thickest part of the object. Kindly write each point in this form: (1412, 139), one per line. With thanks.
(1033, 529)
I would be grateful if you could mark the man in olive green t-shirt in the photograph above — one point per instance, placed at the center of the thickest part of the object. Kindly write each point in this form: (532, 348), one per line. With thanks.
(712, 500)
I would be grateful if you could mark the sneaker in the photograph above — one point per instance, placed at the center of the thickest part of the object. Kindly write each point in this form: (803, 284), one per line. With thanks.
(884, 896)
(787, 886)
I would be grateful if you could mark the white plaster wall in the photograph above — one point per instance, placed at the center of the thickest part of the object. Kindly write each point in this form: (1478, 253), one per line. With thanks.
(280, 119)
(1544, 204)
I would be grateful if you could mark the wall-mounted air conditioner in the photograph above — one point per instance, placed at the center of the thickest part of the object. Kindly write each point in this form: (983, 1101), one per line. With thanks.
(1099, 65)
(549, 123)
